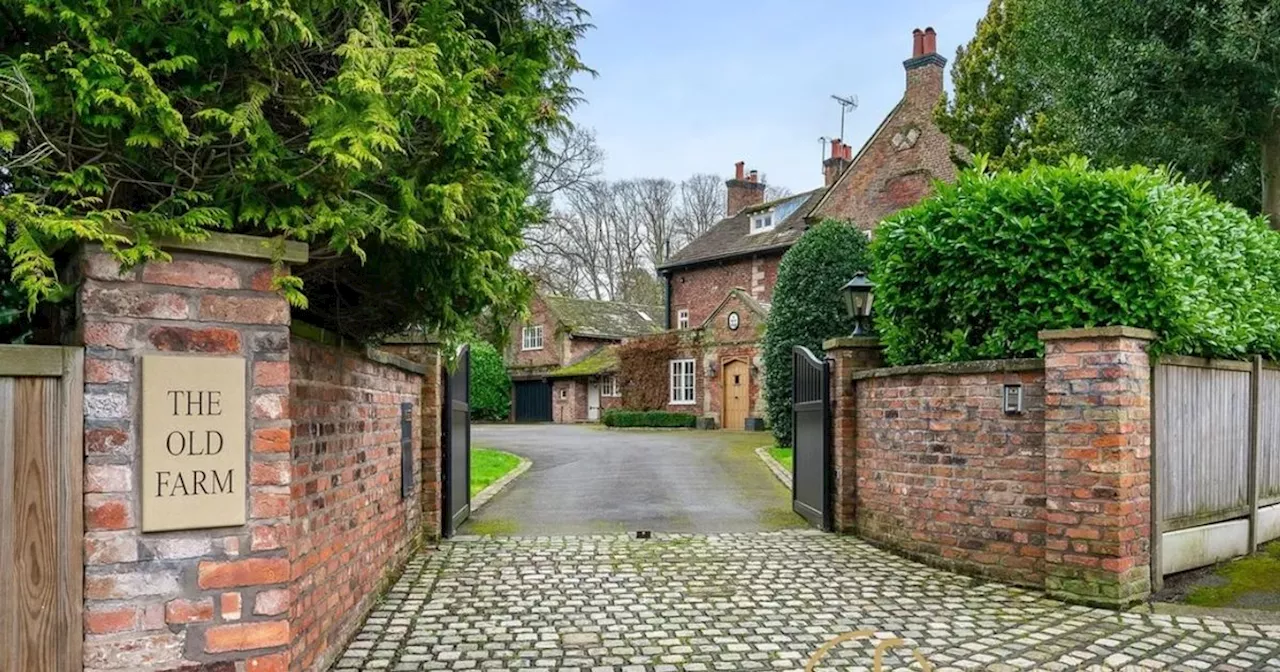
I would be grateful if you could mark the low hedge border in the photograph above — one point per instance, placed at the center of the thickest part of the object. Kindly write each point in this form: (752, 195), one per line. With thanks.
(624, 418)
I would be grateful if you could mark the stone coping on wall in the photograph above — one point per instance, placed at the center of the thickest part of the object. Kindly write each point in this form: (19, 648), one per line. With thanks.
(846, 342)
(1097, 332)
(270, 248)
(316, 334)
(953, 368)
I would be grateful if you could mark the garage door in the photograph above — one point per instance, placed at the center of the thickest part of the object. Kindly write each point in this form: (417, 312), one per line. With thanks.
(533, 401)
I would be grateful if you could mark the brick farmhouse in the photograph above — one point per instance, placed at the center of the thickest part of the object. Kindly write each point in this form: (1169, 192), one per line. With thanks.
(719, 286)
(562, 359)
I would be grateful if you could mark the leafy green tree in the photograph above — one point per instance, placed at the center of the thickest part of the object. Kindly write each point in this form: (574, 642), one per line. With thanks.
(994, 108)
(979, 269)
(807, 309)
(1186, 83)
(490, 383)
(393, 137)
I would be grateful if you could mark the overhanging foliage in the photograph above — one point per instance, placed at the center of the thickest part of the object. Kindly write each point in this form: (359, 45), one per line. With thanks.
(392, 137)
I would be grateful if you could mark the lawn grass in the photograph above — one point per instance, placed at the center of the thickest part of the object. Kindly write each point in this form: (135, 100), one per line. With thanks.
(783, 456)
(1252, 581)
(488, 465)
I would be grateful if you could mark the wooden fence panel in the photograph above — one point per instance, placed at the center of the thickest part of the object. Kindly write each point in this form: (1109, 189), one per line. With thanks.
(41, 508)
(1202, 434)
(1269, 439)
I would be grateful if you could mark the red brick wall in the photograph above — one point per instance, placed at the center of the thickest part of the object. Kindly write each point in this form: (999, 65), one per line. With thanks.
(1058, 496)
(552, 353)
(943, 472)
(701, 288)
(1098, 448)
(351, 528)
(886, 178)
(164, 600)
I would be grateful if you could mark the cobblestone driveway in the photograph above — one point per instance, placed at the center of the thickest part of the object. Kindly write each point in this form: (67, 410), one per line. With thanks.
(753, 602)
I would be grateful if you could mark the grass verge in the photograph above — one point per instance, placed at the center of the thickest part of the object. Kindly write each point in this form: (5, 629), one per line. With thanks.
(1250, 582)
(783, 456)
(488, 465)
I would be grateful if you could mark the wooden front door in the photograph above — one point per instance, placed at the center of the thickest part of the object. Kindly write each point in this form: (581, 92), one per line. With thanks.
(737, 395)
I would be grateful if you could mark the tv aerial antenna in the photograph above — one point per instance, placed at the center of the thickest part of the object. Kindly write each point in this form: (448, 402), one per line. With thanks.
(847, 105)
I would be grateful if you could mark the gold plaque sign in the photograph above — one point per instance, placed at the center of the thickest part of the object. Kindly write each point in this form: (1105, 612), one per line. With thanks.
(193, 442)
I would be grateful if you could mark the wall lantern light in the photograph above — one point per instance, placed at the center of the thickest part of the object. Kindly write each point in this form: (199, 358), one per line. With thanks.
(711, 369)
(1013, 399)
(858, 296)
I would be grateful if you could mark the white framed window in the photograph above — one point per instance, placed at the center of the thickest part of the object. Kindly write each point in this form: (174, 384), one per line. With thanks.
(682, 319)
(762, 222)
(682, 385)
(531, 338)
(609, 387)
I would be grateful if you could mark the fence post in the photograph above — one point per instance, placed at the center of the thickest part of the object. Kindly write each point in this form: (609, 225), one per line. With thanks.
(1255, 432)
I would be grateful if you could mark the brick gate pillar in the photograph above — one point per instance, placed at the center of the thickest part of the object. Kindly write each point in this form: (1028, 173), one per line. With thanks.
(198, 599)
(1098, 465)
(847, 355)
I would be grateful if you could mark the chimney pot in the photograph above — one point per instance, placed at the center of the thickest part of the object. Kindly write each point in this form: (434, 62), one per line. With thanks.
(753, 176)
(738, 169)
(917, 43)
(848, 153)
(835, 148)
(930, 41)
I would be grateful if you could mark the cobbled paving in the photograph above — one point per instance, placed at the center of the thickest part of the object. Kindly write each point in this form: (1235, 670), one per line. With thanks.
(763, 601)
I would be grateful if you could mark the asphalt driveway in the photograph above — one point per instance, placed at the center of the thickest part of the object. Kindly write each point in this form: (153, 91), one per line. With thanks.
(591, 480)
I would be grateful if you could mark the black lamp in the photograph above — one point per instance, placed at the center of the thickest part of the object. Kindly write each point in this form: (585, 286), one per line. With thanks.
(858, 295)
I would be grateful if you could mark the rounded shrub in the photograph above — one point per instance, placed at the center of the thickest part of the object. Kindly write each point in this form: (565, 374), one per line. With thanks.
(490, 383)
(807, 308)
(976, 271)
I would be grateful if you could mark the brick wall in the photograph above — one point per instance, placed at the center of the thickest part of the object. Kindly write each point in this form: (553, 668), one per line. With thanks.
(1059, 496)
(325, 523)
(552, 353)
(891, 172)
(1098, 472)
(943, 472)
(164, 600)
(700, 289)
(351, 529)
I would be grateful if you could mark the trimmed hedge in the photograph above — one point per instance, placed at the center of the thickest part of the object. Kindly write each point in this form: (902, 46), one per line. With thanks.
(976, 271)
(490, 383)
(807, 308)
(623, 418)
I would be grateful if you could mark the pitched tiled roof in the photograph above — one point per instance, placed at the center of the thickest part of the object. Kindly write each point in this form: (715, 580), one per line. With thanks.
(604, 319)
(732, 237)
(603, 359)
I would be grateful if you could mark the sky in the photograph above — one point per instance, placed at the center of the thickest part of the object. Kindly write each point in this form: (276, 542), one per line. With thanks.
(694, 86)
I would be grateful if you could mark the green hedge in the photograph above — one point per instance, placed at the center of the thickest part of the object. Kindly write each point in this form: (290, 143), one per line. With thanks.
(807, 308)
(622, 418)
(976, 271)
(490, 383)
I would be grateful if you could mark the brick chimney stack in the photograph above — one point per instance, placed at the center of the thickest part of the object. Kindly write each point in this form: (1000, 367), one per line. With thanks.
(833, 167)
(924, 69)
(745, 189)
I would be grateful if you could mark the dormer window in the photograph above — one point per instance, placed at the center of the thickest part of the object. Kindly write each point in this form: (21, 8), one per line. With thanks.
(762, 222)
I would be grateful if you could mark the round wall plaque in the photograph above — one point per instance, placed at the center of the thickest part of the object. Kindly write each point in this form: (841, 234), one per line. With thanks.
(733, 321)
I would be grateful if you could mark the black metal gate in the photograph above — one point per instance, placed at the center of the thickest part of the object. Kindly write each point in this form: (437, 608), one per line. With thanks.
(533, 401)
(811, 476)
(456, 444)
